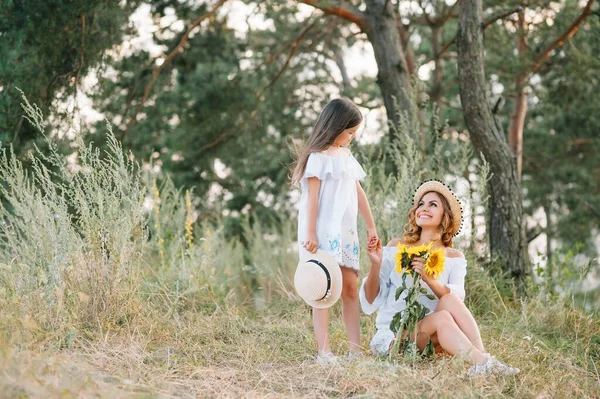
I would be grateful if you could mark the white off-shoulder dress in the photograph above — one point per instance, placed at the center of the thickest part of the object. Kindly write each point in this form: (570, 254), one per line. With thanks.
(338, 207)
(453, 277)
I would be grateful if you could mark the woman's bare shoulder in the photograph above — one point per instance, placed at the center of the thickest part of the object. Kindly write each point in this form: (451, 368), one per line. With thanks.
(454, 253)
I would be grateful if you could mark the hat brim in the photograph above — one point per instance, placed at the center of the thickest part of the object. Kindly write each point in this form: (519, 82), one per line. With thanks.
(334, 272)
(440, 188)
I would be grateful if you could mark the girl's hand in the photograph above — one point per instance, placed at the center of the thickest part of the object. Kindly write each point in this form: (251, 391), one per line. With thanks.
(312, 243)
(372, 232)
(373, 244)
(372, 239)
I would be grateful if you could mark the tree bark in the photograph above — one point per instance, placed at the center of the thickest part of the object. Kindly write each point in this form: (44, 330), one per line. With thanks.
(507, 237)
(393, 76)
(517, 122)
(379, 22)
(549, 237)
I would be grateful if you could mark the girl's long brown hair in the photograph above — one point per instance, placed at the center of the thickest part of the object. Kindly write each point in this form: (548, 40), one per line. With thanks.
(412, 232)
(340, 114)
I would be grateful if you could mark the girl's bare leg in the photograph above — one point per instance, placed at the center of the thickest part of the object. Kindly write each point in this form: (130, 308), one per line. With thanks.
(351, 308)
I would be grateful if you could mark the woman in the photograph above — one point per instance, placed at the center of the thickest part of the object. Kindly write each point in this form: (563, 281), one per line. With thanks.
(436, 217)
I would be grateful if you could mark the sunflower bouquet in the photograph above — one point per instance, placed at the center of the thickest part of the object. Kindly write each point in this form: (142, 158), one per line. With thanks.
(407, 320)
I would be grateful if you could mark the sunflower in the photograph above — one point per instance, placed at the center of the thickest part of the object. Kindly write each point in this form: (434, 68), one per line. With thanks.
(399, 255)
(418, 250)
(435, 263)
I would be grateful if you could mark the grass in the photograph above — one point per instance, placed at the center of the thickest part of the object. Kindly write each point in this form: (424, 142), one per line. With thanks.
(235, 352)
(103, 296)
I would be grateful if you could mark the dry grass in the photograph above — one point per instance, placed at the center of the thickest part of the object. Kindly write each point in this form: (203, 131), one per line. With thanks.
(240, 353)
(102, 297)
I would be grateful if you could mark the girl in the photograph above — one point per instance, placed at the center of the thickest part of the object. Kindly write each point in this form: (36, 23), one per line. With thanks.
(436, 217)
(331, 198)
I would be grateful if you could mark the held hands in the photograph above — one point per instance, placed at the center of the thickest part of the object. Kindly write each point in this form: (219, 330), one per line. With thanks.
(372, 239)
(375, 250)
(312, 243)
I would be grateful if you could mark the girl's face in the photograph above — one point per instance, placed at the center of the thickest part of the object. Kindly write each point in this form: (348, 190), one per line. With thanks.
(345, 137)
(429, 211)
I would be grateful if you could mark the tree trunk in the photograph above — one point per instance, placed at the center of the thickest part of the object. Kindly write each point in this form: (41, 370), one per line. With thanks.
(507, 237)
(517, 121)
(393, 77)
(549, 237)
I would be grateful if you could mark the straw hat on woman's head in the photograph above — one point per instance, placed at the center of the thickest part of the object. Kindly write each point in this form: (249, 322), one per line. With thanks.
(443, 190)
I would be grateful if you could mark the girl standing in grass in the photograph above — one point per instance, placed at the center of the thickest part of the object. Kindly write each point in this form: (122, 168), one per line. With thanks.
(331, 198)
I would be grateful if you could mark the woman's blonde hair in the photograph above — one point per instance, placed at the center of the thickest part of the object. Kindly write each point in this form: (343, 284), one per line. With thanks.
(412, 232)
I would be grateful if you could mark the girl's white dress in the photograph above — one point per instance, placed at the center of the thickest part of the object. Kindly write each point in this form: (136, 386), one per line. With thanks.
(338, 207)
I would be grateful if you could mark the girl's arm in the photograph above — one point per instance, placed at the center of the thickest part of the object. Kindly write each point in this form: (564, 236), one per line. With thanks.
(314, 185)
(365, 211)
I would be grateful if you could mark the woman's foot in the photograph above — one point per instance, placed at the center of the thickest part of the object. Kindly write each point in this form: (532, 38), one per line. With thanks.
(492, 366)
(326, 358)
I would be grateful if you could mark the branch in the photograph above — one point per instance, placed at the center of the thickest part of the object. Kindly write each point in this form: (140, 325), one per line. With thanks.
(501, 16)
(484, 26)
(177, 50)
(571, 30)
(294, 47)
(343, 11)
(273, 56)
(430, 22)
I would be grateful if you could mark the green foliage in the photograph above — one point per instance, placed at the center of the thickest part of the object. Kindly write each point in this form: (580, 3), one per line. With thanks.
(561, 144)
(72, 231)
(46, 46)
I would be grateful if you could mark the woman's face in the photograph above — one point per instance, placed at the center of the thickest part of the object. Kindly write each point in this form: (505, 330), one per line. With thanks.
(429, 211)
(345, 137)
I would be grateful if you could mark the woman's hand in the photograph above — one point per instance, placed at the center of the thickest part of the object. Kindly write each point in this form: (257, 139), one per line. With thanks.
(312, 243)
(418, 265)
(375, 251)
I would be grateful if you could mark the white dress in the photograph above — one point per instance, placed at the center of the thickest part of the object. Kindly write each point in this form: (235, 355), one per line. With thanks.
(338, 207)
(453, 277)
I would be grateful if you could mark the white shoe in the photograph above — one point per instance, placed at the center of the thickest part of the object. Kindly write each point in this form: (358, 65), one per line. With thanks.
(326, 358)
(354, 355)
(492, 366)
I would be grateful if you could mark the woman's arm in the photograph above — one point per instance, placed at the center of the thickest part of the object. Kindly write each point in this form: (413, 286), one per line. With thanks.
(456, 283)
(438, 288)
(372, 282)
(314, 185)
(365, 211)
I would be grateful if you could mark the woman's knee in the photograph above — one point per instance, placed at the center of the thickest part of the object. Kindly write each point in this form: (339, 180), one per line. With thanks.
(444, 318)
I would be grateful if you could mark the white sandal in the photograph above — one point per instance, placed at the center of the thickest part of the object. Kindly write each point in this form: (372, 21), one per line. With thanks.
(492, 366)
(326, 358)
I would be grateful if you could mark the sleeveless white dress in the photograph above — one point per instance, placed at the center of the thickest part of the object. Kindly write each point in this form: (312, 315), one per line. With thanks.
(338, 207)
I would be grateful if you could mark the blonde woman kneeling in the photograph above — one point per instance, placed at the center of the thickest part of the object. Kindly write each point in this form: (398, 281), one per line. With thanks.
(435, 217)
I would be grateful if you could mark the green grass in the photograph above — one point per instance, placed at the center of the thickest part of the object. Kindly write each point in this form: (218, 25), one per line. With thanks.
(102, 297)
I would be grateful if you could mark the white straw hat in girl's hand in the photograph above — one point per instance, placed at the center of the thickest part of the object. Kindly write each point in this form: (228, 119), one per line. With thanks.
(318, 280)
